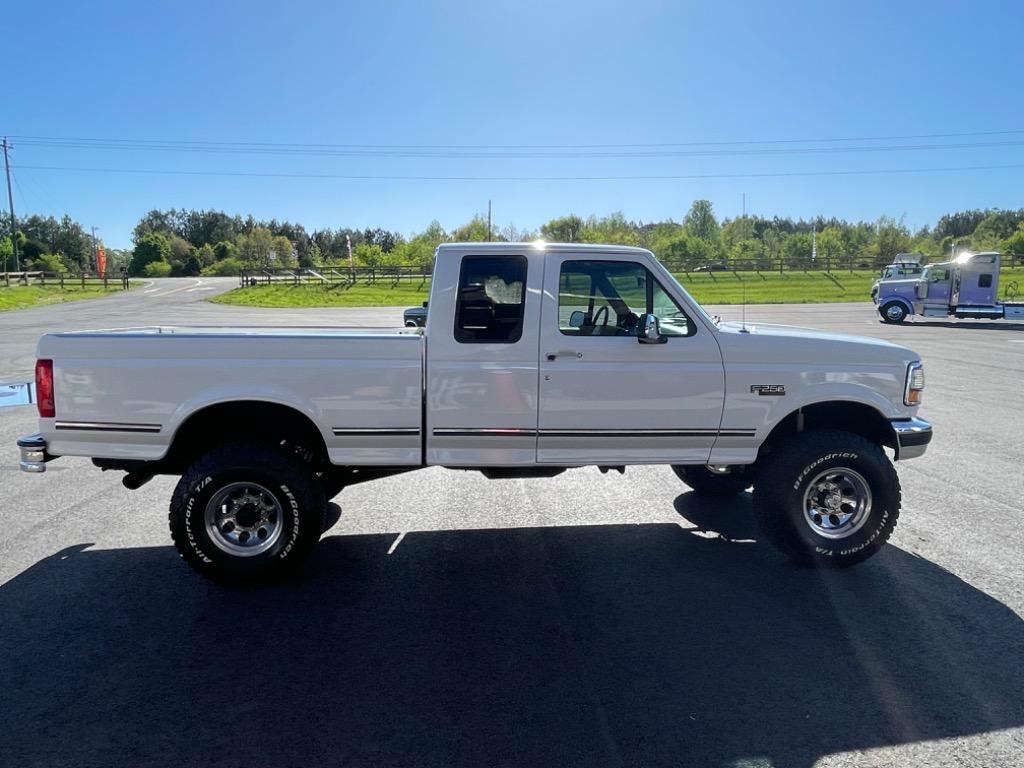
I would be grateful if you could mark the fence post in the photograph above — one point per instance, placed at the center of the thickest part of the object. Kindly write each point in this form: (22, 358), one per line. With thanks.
(83, 279)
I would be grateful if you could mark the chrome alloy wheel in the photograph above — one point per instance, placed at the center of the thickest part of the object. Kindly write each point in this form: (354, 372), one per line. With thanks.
(244, 519)
(837, 503)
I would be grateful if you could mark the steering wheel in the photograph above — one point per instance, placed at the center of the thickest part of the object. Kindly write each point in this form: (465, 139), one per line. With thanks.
(597, 314)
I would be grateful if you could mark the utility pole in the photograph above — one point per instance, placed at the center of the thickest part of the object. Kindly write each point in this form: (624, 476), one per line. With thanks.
(351, 263)
(488, 221)
(95, 255)
(744, 205)
(10, 202)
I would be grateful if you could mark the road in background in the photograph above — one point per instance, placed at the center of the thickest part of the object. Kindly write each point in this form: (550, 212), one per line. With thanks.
(587, 619)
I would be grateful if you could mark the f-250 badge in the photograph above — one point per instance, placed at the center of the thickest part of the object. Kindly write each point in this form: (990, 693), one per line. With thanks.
(769, 390)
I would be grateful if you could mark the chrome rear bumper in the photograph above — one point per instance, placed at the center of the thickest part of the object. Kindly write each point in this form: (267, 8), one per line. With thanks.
(912, 437)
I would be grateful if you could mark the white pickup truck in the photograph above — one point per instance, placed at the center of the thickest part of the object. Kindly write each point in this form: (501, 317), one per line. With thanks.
(535, 358)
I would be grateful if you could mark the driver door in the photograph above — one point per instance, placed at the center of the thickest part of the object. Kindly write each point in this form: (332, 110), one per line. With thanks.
(604, 397)
(939, 286)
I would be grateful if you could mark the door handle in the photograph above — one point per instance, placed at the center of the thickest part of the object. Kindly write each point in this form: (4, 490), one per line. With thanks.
(564, 353)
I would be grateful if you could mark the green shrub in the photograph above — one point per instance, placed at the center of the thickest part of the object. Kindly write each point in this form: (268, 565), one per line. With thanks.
(50, 262)
(157, 269)
(228, 267)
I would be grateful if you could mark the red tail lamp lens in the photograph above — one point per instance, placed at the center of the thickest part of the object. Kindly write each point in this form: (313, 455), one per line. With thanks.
(44, 389)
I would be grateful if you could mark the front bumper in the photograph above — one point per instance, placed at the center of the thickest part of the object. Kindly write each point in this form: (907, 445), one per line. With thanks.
(912, 437)
(33, 453)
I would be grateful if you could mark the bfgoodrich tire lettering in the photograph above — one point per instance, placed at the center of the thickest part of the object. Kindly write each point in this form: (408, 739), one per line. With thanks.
(289, 491)
(787, 520)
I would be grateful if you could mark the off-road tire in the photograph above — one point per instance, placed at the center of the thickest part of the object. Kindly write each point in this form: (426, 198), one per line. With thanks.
(288, 478)
(708, 483)
(791, 467)
(896, 318)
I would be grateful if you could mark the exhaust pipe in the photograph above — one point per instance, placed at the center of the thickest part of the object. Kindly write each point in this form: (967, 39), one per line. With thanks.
(135, 480)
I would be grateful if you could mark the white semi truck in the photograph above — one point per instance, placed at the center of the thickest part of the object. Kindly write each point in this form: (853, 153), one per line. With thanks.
(535, 358)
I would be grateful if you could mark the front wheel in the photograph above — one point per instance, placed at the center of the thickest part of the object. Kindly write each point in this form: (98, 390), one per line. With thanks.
(827, 498)
(707, 481)
(247, 513)
(893, 312)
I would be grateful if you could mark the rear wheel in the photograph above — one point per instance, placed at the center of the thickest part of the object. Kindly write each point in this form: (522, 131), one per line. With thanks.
(247, 513)
(713, 483)
(893, 312)
(827, 497)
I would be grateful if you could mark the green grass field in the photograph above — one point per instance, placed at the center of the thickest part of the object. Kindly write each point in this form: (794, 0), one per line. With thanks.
(313, 295)
(23, 297)
(707, 288)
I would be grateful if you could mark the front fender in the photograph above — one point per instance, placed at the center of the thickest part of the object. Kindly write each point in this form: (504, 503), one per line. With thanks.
(899, 300)
(880, 389)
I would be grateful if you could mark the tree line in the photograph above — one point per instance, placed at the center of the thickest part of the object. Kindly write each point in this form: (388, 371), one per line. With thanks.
(190, 242)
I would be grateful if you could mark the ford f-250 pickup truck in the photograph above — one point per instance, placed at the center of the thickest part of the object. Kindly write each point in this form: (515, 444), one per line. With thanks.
(535, 358)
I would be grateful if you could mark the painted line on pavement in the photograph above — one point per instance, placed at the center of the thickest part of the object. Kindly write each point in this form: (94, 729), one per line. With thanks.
(396, 542)
(178, 290)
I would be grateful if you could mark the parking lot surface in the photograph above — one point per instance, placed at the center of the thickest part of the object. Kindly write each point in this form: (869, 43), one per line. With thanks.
(589, 619)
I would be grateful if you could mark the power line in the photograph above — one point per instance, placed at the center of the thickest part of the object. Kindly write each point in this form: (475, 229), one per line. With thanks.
(402, 177)
(833, 139)
(226, 149)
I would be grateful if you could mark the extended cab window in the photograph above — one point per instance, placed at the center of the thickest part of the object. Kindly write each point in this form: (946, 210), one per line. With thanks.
(984, 281)
(492, 295)
(606, 298)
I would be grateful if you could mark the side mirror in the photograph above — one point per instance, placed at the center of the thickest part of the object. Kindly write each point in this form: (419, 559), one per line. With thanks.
(648, 330)
(922, 290)
(576, 319)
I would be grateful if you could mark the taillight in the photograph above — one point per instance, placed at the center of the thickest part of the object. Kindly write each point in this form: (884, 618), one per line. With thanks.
(44, 389)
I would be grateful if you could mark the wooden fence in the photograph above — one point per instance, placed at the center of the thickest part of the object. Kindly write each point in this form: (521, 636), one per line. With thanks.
(64, 280)
(340, 276)
(345, 277)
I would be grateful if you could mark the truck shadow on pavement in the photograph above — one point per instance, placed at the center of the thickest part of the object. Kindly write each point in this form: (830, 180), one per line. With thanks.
(968, 325)
(650, 645)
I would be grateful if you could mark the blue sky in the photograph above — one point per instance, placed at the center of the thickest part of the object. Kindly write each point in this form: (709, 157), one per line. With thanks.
(513, 73)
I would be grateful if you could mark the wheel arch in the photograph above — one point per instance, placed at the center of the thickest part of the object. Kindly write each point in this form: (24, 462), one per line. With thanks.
(239, 420)
(852, 416)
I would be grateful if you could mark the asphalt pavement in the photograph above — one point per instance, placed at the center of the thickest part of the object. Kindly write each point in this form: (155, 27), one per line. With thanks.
(584, 620)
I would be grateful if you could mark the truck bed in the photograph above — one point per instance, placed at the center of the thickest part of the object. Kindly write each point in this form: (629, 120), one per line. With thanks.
(124, 392)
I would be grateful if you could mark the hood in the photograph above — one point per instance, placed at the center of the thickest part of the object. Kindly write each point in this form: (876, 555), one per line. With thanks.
(905, 287)
(793, 344)
(897, 281)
